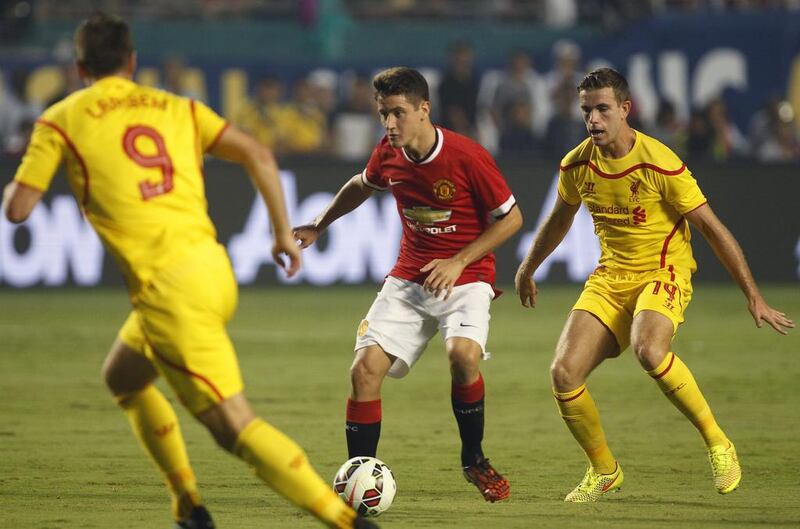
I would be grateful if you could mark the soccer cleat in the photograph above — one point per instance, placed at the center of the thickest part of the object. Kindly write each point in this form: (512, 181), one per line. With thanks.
(363, 523)
(595, 485)
(493, 486)
(725, 467)
(198, 519)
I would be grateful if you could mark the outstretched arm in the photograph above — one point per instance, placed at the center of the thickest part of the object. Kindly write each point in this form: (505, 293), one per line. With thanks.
(236, 146)
(548, 237)
(445, 272)
(731, 256)
(349, 197)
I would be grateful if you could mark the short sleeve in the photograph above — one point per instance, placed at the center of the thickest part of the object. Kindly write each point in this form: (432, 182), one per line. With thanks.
(43, 156)
(490, 185)
(371, 176)
(210, 125)
(682, 192)
(567, 189)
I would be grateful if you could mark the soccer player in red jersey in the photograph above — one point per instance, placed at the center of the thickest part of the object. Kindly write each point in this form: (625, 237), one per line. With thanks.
(455, 208)
(642, 198)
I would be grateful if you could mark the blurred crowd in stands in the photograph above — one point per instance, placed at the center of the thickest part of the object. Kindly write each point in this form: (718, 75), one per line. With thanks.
(516, 112)
(553, 13)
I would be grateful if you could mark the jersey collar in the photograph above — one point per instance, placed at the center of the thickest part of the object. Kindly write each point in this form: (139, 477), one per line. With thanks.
(432, 154)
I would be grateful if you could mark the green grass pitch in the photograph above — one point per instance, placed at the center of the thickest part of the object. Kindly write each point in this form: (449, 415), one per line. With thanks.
(68, 460)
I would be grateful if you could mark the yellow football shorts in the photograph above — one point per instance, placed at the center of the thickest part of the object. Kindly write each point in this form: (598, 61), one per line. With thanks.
(616, 297)
(179, 320)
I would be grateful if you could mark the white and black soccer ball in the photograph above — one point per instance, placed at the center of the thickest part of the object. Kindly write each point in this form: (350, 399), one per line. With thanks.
(366, 484)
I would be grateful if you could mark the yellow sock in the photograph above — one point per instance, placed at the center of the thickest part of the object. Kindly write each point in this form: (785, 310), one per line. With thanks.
(678, 384)
(283, 465)
(154, 422)
(578, 410)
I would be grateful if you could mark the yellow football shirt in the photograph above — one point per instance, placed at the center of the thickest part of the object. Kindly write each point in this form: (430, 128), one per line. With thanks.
(134, 158)
(637, 203)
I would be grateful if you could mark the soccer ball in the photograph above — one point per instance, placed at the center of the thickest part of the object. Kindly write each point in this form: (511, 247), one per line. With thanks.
(366, 484)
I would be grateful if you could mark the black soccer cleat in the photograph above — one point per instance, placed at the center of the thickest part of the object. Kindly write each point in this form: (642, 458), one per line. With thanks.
(198, 519)
(362, 523)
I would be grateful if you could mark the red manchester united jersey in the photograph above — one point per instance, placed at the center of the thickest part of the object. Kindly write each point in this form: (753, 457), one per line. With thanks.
(445, 201)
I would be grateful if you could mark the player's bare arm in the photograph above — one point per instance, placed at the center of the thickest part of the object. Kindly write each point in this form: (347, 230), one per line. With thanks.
(236, 146)
(350, 196)
(731, 256)
(548, 237)
(19, 201)
(445, 272)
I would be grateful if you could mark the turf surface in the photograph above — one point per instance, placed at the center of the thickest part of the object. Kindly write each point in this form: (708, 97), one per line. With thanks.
(68, 460)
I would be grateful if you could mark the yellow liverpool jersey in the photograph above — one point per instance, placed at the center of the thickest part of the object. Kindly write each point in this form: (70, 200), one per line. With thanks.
(134, 158)
(637, 203)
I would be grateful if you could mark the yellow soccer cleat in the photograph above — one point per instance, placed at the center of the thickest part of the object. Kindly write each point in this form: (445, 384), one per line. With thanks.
(595, 485)
(725, 467)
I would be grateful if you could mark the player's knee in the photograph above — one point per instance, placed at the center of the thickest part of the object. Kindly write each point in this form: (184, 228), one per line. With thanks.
(363, 374)
(462, 359)
(649, 355)
(563, 376)
(463, 363)
(114, 377)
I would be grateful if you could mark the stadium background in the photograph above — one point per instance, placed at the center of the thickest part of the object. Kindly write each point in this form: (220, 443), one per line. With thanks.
(67, 458)
(718, 81)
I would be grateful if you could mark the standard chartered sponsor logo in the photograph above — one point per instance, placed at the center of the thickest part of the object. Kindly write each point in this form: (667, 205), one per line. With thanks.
(609, 210)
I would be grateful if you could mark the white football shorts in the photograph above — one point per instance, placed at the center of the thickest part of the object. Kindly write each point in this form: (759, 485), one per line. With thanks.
(404, 317)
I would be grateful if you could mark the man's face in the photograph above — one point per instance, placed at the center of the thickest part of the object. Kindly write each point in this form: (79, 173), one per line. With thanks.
(603, 115)
(401, 119)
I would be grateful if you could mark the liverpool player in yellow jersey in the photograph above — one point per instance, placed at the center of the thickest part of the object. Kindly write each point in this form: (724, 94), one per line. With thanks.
(640, 196)
(134, 159)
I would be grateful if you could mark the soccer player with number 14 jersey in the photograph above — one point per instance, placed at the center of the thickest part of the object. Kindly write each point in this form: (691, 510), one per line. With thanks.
(455, 208)
(134, 159)
(641, 197)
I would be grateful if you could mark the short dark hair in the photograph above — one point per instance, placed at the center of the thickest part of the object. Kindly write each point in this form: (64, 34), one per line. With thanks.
(103, 44)
(607, 78)
(402, 81)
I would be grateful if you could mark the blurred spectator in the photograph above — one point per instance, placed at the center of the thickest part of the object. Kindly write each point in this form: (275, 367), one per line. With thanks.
(356, 128)
(762, 123)
(517, 138)
(181, 80)
(698, 144)
(305, 128)
(564, 130)
(565, 75)
(560, 14)
(458, 92)
(777, 139)
(520, 84)
(669, 129)
(264, 115)
(72, 83)
(16, 114)
(324, 84)
(726, 140)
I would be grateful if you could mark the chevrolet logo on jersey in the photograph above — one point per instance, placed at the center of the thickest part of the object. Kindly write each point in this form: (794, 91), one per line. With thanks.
(426, 215)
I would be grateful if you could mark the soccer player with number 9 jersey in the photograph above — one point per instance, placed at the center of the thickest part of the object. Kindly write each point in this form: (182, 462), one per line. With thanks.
(134, 158)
